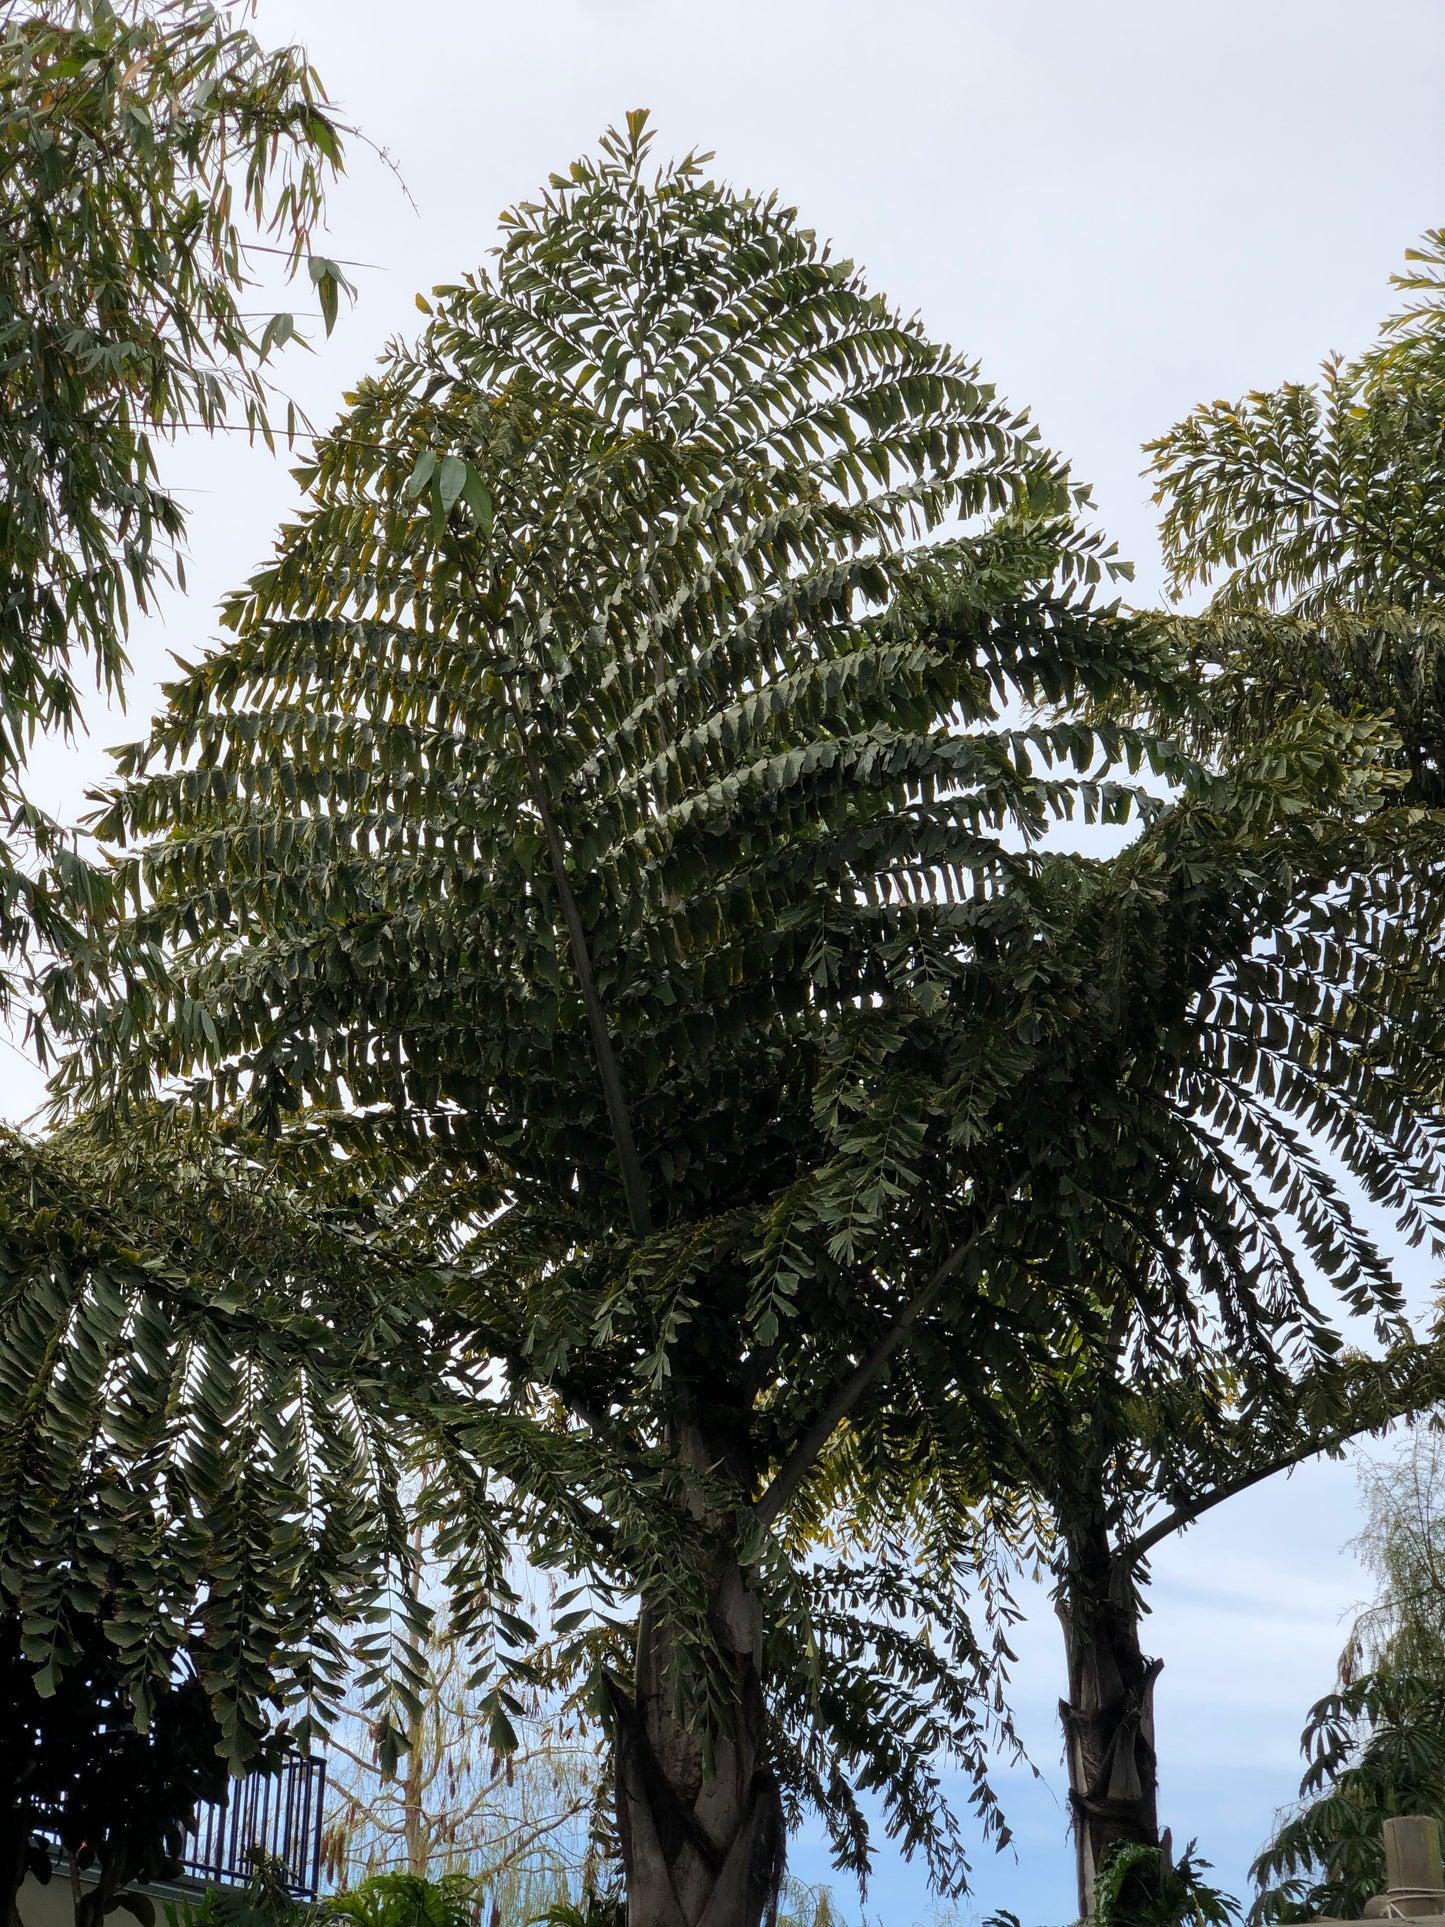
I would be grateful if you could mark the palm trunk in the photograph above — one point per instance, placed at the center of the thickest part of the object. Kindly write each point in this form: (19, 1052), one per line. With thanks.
(1109, 1715)
(699, 1815)
(415, 1831)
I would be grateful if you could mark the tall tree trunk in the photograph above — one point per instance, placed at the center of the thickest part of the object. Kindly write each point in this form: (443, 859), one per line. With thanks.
(1109, 1715)
(699, 1815)
(416, 1831)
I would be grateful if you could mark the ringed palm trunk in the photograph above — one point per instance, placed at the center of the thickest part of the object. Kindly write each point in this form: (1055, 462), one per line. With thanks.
(1108, 1716)
(700, 1818)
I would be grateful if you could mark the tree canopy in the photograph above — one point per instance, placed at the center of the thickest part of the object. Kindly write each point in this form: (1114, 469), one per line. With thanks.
(611, 844)
(619, 726)
(1315, 511)
(611, 826)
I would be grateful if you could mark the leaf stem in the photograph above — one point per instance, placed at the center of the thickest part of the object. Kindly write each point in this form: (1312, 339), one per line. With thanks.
(634, 1183)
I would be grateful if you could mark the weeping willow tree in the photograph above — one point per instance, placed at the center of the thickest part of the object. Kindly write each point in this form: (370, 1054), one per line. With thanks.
(631, 714)
(1373, 1745)
(521, 1829)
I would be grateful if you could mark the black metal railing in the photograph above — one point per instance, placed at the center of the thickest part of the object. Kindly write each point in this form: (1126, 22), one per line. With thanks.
(275, 1814)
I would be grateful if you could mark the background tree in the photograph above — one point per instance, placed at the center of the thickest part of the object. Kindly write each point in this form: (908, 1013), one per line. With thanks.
(1318, 514)
(1208, 1014)
(1374, 1746)
(146, 148)
(603, 744)
(518, 1826)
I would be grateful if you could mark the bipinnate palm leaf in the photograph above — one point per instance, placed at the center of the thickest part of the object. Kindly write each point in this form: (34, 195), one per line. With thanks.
(208, 1406)
(646, 690)
(672, 651)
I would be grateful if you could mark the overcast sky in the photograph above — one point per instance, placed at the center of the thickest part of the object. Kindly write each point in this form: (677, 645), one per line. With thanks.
(1121, 207)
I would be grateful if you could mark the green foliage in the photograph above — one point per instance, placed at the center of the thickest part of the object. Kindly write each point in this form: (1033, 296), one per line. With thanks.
(382, 1900)
(1254, 977)
(203, 1392)
(266, 1900)
(1374, 1747)
(596, 1910)
(603, 742)
(1319, 513)
(75, 1767)
(1310, 498)
(1143, 1886)
(406, 1900)
(1204, 1021)
(128, 134)
(1241, 674)
(614, 827)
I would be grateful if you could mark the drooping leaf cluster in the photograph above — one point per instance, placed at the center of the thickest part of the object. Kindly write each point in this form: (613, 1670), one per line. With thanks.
(203, 1397)
(1235, 1024)
(129, 134)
